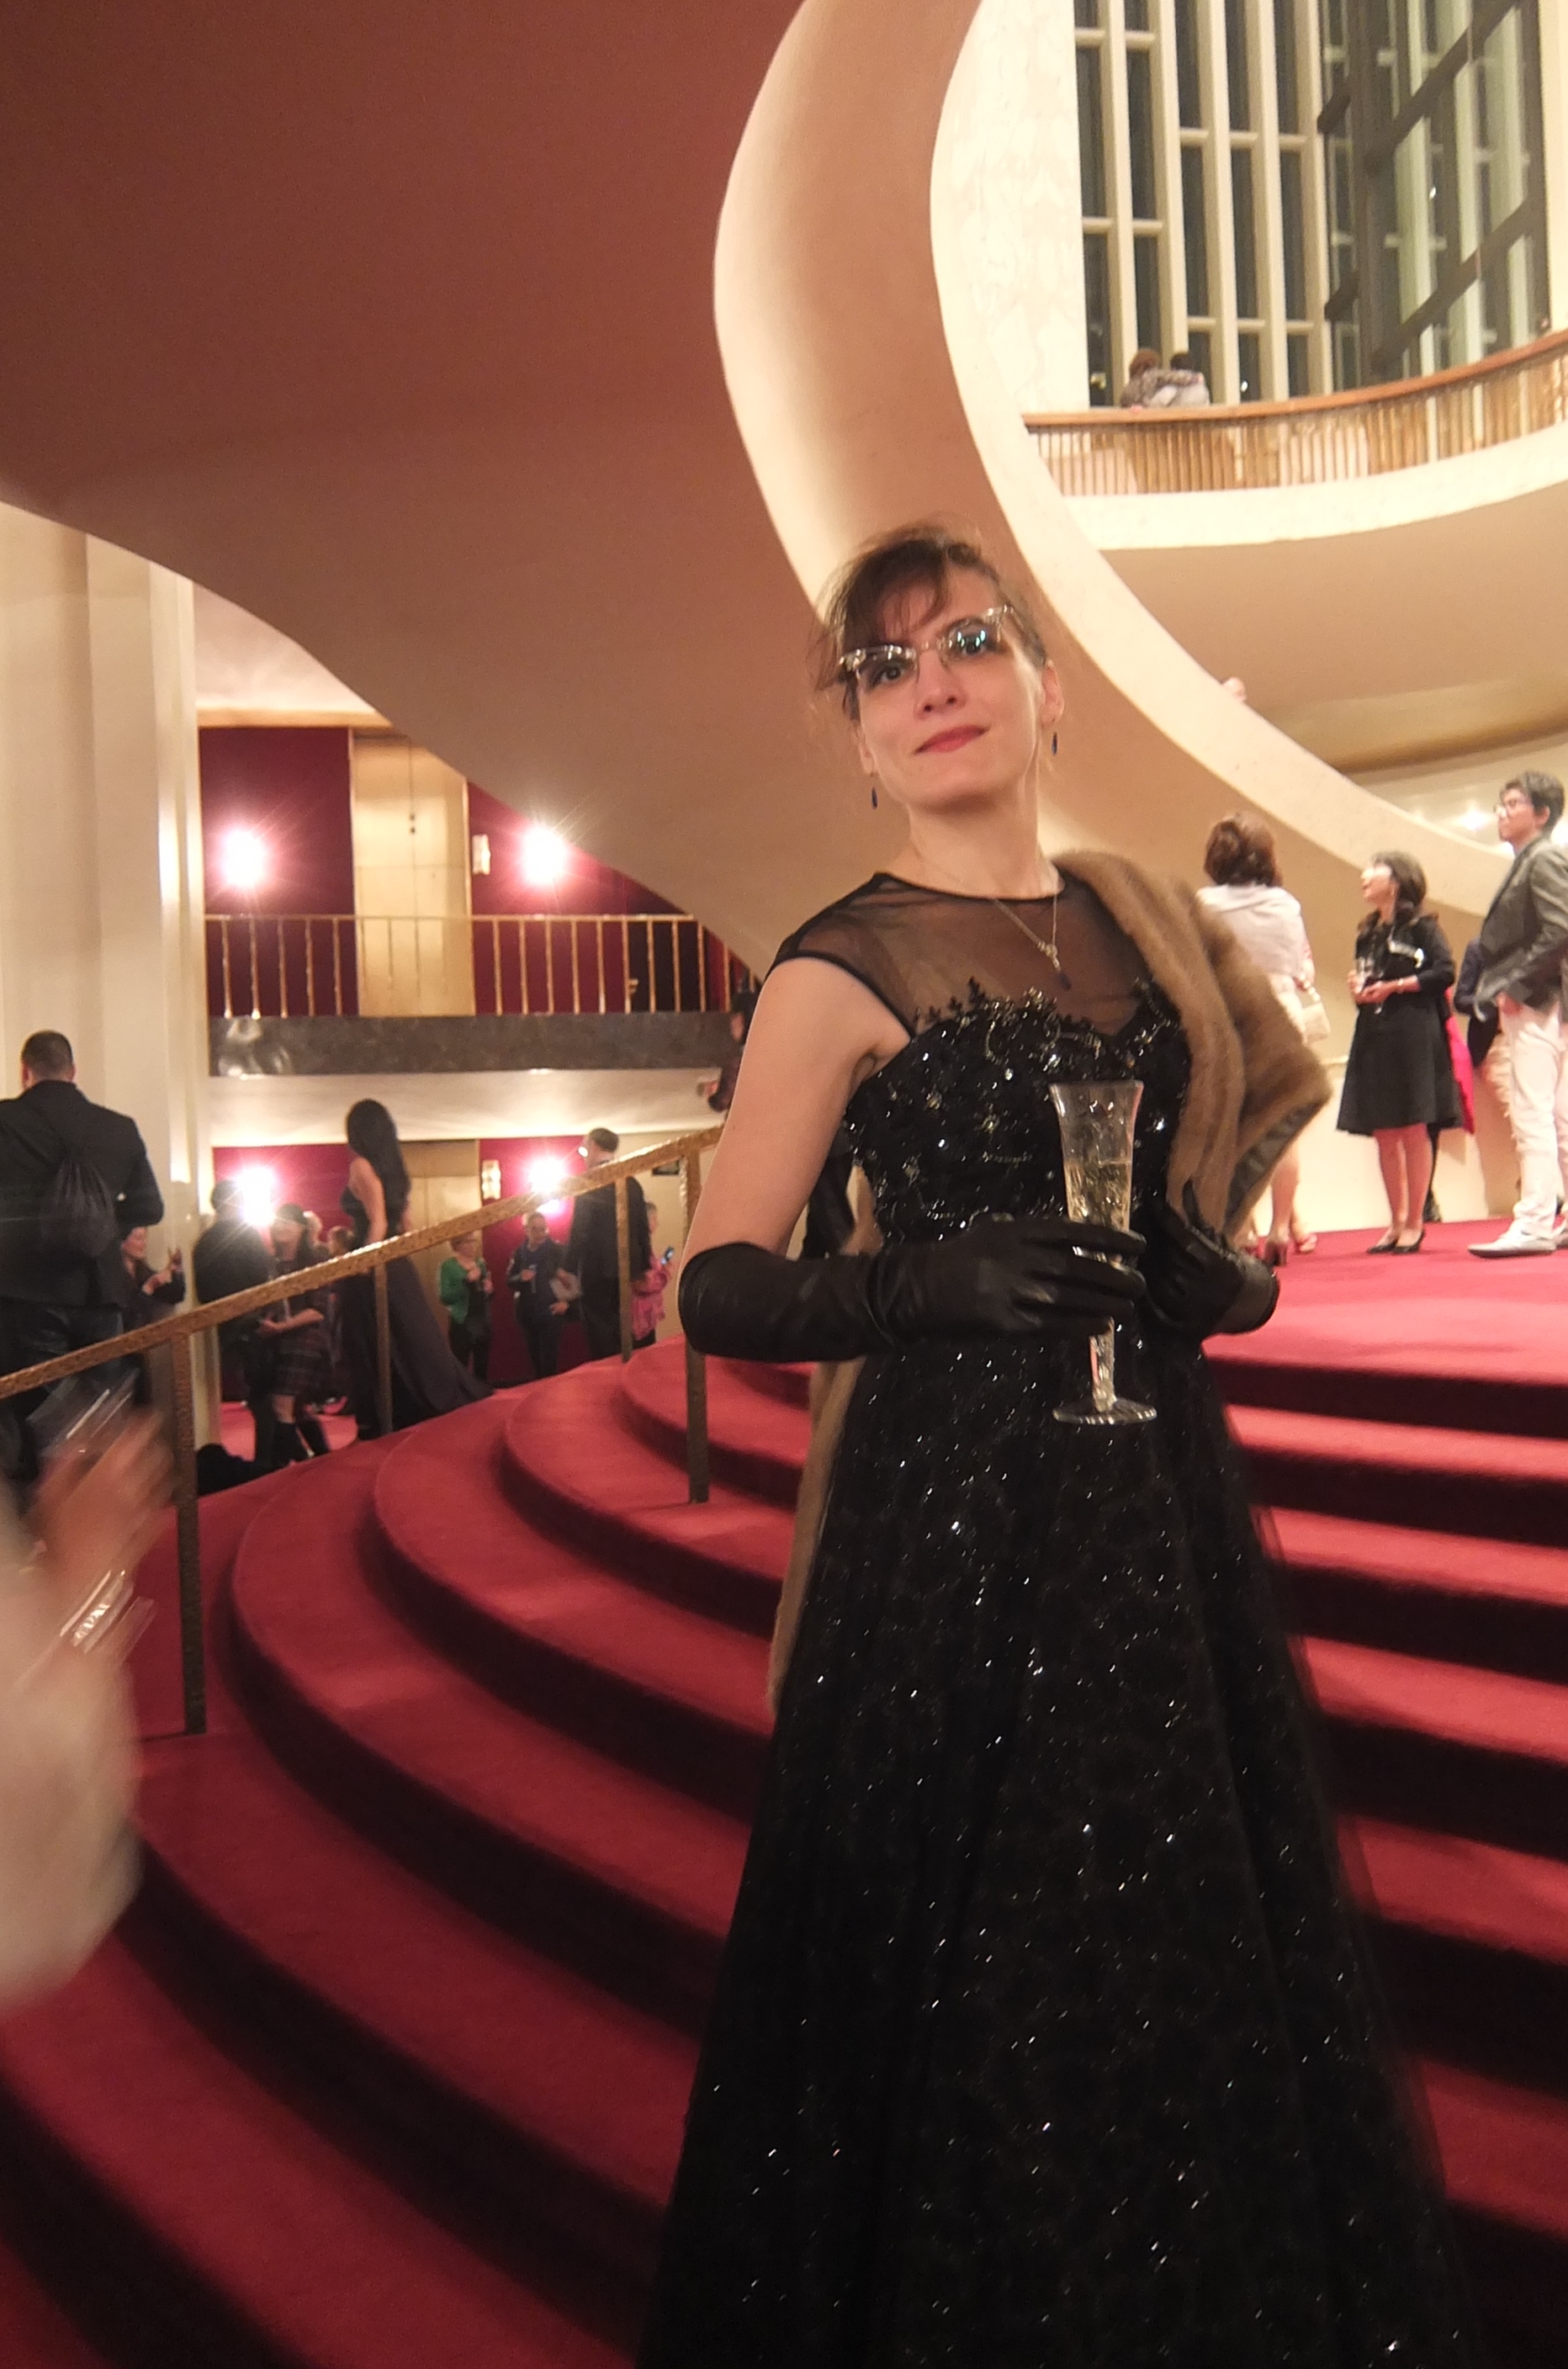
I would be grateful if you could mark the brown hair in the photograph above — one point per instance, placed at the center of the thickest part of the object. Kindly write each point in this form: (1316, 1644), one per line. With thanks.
(1410, 883)
(920, 558)
(1146, 358)
(1240, 853)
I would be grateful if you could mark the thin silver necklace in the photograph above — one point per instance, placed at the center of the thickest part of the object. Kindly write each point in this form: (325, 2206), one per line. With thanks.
(1047, 946)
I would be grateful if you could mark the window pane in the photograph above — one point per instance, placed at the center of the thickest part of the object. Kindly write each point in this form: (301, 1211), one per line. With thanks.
(1287, 75)
(1137, 18)
(1086, 12)
(1199, 347)
(1097, 311)
(1091, 135)
(1189, 64)
(1141, 134)
(1246, 234)
(1298, 365)
(1249, 353)
(1146, 291)
(1236, 65)
(1195, 232)
(1347, 354)
(1293, 223)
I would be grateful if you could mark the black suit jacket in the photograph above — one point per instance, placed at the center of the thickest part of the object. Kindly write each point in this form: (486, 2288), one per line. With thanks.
(590, 1250)
(36, 1129)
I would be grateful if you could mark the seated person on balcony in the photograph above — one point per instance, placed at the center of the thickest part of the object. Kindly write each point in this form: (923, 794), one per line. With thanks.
(426, 1378)
(1154, 385)
(540, 1299)
(465, 1285)
(293, 1355)
(591, 1255)
(73, 1179)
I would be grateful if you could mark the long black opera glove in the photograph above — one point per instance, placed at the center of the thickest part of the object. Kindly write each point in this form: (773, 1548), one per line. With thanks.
(1200, 1282)
(1001, 1276)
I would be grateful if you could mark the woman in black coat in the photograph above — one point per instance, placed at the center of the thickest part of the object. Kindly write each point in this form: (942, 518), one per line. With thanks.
(1399, 1081)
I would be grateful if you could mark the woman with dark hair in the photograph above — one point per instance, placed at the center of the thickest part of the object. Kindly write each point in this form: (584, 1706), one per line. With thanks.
(1399, 1081)
(1266, 920)
(1043, 2033)
(294, 1345)
(426, 1378)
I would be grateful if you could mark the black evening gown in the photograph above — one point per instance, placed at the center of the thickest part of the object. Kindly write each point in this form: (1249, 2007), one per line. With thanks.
(426, 1378)
(1043, 2038)
(1401, 1073)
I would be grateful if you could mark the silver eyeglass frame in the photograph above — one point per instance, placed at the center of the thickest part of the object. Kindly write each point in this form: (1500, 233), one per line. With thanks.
(850, 665)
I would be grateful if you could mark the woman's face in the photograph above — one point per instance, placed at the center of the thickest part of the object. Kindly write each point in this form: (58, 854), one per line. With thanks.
(286, 1235)
(1377, 883)
(956, 732)
(134, 1243)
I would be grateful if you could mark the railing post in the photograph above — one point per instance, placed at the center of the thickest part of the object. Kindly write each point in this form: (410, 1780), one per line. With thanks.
(697, 1475)
(382, 1354)
(188, 1528)
(623, 1262)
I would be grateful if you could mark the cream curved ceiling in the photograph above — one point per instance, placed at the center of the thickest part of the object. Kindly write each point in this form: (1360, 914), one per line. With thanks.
(399, 333)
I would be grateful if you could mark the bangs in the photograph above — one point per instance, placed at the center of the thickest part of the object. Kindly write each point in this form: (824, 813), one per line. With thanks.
(918, 559)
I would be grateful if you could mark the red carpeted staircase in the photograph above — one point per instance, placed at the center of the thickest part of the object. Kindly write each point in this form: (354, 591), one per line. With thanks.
(387, 2065)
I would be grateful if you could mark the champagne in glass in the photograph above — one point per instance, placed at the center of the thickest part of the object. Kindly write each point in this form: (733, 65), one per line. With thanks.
(1096, 1144)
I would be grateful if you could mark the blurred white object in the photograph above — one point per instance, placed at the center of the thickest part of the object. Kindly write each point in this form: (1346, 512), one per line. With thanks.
(68, 1858)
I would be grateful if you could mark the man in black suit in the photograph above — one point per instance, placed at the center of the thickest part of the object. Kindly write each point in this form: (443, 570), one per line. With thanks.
(590, 1250)
(74, 1179)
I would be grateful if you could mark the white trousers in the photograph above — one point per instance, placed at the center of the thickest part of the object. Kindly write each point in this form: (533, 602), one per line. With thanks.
(1537, 1111)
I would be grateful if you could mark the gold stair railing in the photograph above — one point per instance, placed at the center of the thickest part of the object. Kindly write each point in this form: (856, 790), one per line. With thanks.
(1314, 440)
(176, 1333)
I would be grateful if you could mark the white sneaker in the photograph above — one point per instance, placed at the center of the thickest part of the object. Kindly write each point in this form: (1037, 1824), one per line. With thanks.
(1517, 1242)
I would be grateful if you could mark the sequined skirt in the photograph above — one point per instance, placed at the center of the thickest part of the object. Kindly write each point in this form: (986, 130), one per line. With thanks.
(1044, 2040)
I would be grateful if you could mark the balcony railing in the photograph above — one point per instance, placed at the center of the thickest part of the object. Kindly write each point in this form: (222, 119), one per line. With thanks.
(296, 965)
(1316, 440)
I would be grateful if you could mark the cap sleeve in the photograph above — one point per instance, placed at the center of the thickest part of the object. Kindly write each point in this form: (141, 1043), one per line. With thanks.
(853, 942)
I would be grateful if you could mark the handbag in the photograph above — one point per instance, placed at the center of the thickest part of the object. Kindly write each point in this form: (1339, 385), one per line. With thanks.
(1313, 1016)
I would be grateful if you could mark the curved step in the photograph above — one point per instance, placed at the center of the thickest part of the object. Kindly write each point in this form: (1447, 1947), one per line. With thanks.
(219, 2228)
(490, 2075)
(755, 1442)
(547, 1628)
(1500, 1606)
(1465, 1482)
(1505, 2157)
(625, 1878)
(34, 2331)
(1435, 1745)
(577, 1469)
(792, 1384)
(1474, 1939)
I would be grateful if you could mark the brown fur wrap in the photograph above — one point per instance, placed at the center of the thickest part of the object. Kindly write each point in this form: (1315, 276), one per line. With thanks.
(1254, 1085)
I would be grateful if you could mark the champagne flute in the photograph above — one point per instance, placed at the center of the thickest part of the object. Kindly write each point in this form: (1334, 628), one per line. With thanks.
(1096, 1144)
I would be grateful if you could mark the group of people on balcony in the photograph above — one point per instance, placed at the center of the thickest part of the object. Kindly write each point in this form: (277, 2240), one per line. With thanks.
(1412, 1062)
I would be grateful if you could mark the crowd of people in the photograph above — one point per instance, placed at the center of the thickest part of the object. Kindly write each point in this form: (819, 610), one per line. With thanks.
(78, 1197)
(1413, 1060)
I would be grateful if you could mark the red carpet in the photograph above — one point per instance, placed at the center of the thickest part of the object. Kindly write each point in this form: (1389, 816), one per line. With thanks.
(387, 2064)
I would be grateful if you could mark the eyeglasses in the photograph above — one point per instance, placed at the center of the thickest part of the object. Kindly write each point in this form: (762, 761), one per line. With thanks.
(885, 665)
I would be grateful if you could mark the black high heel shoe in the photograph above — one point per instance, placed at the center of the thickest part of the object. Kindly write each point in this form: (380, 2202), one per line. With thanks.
(1408, 1249)
(1389, 1242)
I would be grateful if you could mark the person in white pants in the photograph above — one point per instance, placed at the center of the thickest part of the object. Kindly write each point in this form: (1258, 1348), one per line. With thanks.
(1524, 946)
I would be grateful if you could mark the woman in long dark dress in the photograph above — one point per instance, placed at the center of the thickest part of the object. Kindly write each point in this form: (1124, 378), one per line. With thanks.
(1399, 1080)
(426, 1378)
(1042, 2040)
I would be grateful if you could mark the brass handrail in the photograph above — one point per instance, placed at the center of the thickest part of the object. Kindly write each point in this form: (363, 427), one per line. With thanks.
(1310, 440)
(246, 946)
(176, 1333)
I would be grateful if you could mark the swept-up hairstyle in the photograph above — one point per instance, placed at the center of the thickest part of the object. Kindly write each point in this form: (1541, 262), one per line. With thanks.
(920, 559)
(373, 1132)
(1240, 853)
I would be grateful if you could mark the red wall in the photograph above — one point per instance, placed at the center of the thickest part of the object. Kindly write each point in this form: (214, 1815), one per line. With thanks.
(289, 783)
(588, 887)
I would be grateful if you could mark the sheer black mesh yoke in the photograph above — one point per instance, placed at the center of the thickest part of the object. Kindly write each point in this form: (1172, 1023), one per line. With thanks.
(920, 951)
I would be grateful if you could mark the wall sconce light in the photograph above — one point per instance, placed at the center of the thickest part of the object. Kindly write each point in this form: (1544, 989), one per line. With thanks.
(244, 860)
(546, 856)
(489, 1177)
(479, 856)
(258, 1197)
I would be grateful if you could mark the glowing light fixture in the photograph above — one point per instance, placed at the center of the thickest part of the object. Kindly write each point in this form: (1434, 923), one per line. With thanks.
(244, 860)
(544, 1175)
(258, 1197)
(479, 863)
(1476, 818)
(490, 1179)
(546, 856)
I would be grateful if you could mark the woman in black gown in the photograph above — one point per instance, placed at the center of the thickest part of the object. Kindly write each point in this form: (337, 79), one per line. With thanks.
(426, 1378)
(1042, 2040)
(1399, 1081)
